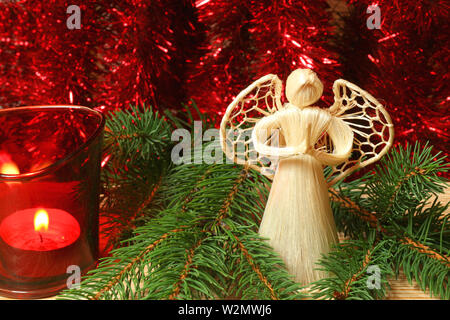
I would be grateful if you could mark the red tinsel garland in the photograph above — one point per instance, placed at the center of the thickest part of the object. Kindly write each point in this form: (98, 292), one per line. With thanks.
(144, 53)
(248, 39)
(404, 63)
(294, 34)
(163, 53)
(126, 52)
(42, 62)
(227, 51)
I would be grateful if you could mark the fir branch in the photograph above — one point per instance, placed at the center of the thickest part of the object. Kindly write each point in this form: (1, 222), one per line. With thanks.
(120, 273)
(425, 231)
(229, 199)
(255, 268)
(188, 115)
(347, 286)
(373, 222)
(345, 202)
(199, 260)
(420, 247)
(137, 148)
(192, 229)
(430, 273)
(423, 247)
(149, 199)
(187, 266)
(115, 229)
(135, 133)
(397, 195)
(207, 229)
(403, 179)
(349, 270)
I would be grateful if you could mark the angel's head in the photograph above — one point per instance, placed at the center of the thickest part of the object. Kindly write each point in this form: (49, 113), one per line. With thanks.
(303, 88)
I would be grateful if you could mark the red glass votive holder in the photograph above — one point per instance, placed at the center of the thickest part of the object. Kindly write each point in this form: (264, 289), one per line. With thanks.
(49, 197)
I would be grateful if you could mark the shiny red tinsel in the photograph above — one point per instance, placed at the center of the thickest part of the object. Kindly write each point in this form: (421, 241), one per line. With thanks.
(126, 52)
(404, 64)
(248, 39)
(163, 53)
(42, 62)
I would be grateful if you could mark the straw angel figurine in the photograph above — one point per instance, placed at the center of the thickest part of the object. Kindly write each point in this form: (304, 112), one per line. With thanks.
(292, 143)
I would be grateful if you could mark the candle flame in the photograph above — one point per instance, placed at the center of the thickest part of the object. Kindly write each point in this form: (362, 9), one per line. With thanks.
(9, 168)
(41, 221)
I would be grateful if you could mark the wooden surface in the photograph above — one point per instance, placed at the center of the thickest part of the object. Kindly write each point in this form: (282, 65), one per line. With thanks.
(401, 289)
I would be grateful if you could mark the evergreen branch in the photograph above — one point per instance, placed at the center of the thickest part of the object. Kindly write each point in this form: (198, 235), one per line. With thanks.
(221, 214)
(357, 275)
(188, 265)
(147, 201)
(350, 276)
(424, 232)
(422, 248)
(190, 114)
(255, 268)
(373, 222)
(253, 264)
(392, 202)
(199, 260)
(198, 238)
(192, 185)
(131, 264)
(127, 225)
(371, 219)
(133, 169)
(219, 221)
(134, 133)
(347, 203)
(404, 180)
(229, 199)
(430, 274)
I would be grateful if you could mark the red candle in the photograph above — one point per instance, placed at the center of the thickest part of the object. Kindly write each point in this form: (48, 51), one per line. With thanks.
(39, 229)
(38, 241)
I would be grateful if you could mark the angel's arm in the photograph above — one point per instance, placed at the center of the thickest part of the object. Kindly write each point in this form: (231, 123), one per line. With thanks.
(267, 135)
(341, 136)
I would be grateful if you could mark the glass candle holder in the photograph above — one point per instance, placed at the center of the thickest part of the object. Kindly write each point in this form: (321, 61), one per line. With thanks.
(49, 197)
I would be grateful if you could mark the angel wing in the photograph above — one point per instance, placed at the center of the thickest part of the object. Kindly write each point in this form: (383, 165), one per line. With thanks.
(371, 124)
(261, 98)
